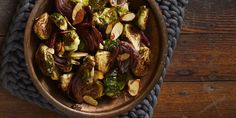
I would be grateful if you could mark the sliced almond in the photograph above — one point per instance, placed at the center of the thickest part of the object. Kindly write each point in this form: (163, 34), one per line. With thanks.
(123, 57)
(116, 31)
(77, 55)
(128, 17)
(109, 28)
(116, 3)
(133, 87)
(90, 100)
(78, 14)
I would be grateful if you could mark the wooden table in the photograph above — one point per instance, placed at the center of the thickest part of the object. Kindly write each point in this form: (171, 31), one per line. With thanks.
(201, 81)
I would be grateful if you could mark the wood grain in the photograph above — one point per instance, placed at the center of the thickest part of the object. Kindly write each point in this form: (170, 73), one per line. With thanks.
(204, 57)
(210, 16)
(197, 100)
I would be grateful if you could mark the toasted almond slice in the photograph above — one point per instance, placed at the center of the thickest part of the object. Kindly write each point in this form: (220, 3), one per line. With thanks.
(123, 57)
(116, 31)
(90, 100)
(133, 87)
(128, 17)
(109, 28)
(77, 55)
(116, 3)
(78, 14)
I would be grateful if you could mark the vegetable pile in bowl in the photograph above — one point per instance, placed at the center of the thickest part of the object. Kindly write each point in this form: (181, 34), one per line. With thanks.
(93, 48)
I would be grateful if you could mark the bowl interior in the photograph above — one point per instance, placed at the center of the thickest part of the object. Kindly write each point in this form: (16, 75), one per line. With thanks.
(49, 89)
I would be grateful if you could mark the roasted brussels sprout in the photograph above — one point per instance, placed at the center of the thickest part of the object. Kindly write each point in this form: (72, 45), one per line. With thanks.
(82, 2)
(102, 59)
(71, 40)
(59, 20)
(44, 59)
(42, 27)
(55, 75)
(65, 80)
(132, 35)
(143, 61)
(107, 16)
(124, 9)
(114, 84)
(86, 70)
(110, 44)
(142, 17)
(97, 5)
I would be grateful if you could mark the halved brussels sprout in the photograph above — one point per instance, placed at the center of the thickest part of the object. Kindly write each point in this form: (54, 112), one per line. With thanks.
(123, 9)
(102, 59)
(71, 40)
(45, 60)
(86, 70)
(42, 27)
(140, 69)
(97, 5)
(59, 20)
(142, 17)
(132, 35)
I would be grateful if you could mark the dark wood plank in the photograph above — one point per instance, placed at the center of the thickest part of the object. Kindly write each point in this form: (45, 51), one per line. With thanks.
(197, 100)
(204, 57)
(210, 16)
(7, 8)
(13, 107)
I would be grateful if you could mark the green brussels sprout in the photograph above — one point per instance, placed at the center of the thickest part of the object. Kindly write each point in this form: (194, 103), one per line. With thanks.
(122, 10)
(113, 84)
(133, 36)
(45, 60)
(83, 2)
(86, 70)
(107, 16)
(102, 59)
(65, 80)
(71, 40)
(142, 17)
(140, 69)
(59, 20)
(97, 5)
(42, 27)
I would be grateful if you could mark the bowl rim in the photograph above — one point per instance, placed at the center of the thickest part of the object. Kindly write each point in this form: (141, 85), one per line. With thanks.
(72, 112)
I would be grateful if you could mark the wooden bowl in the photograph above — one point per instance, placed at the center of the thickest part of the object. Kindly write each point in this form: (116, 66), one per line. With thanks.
(156, 31)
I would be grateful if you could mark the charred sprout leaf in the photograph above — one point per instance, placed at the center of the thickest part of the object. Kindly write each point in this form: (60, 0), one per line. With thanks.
(133, 36)
(59, 20)
(86, 70)
(64, 7)
(116, 31)
(102, 59)
(107, 16)
(71, 40)
(44, 59)
(82, 2)
(55, 75)
(65, 80)
(110, 44)
(97, 5)
(122, 10)
(141, 67)
(127, 17)
(133, 87)
(42, 27)
(113, 84)
(142, 17)
(116, 3)
(78, 14)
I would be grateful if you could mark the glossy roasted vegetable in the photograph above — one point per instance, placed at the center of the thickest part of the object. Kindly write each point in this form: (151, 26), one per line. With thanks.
(140, 69)
(55, 75)
(44, 59)
(64, 7)
(142, 17)
(102, 59)
(97, 5)
(42, 27)
(62, 63)
(123, 9)
(113, 85)
(65, 80)
(59, 20)
(133, 35)
(71, 40)
(86, 70)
